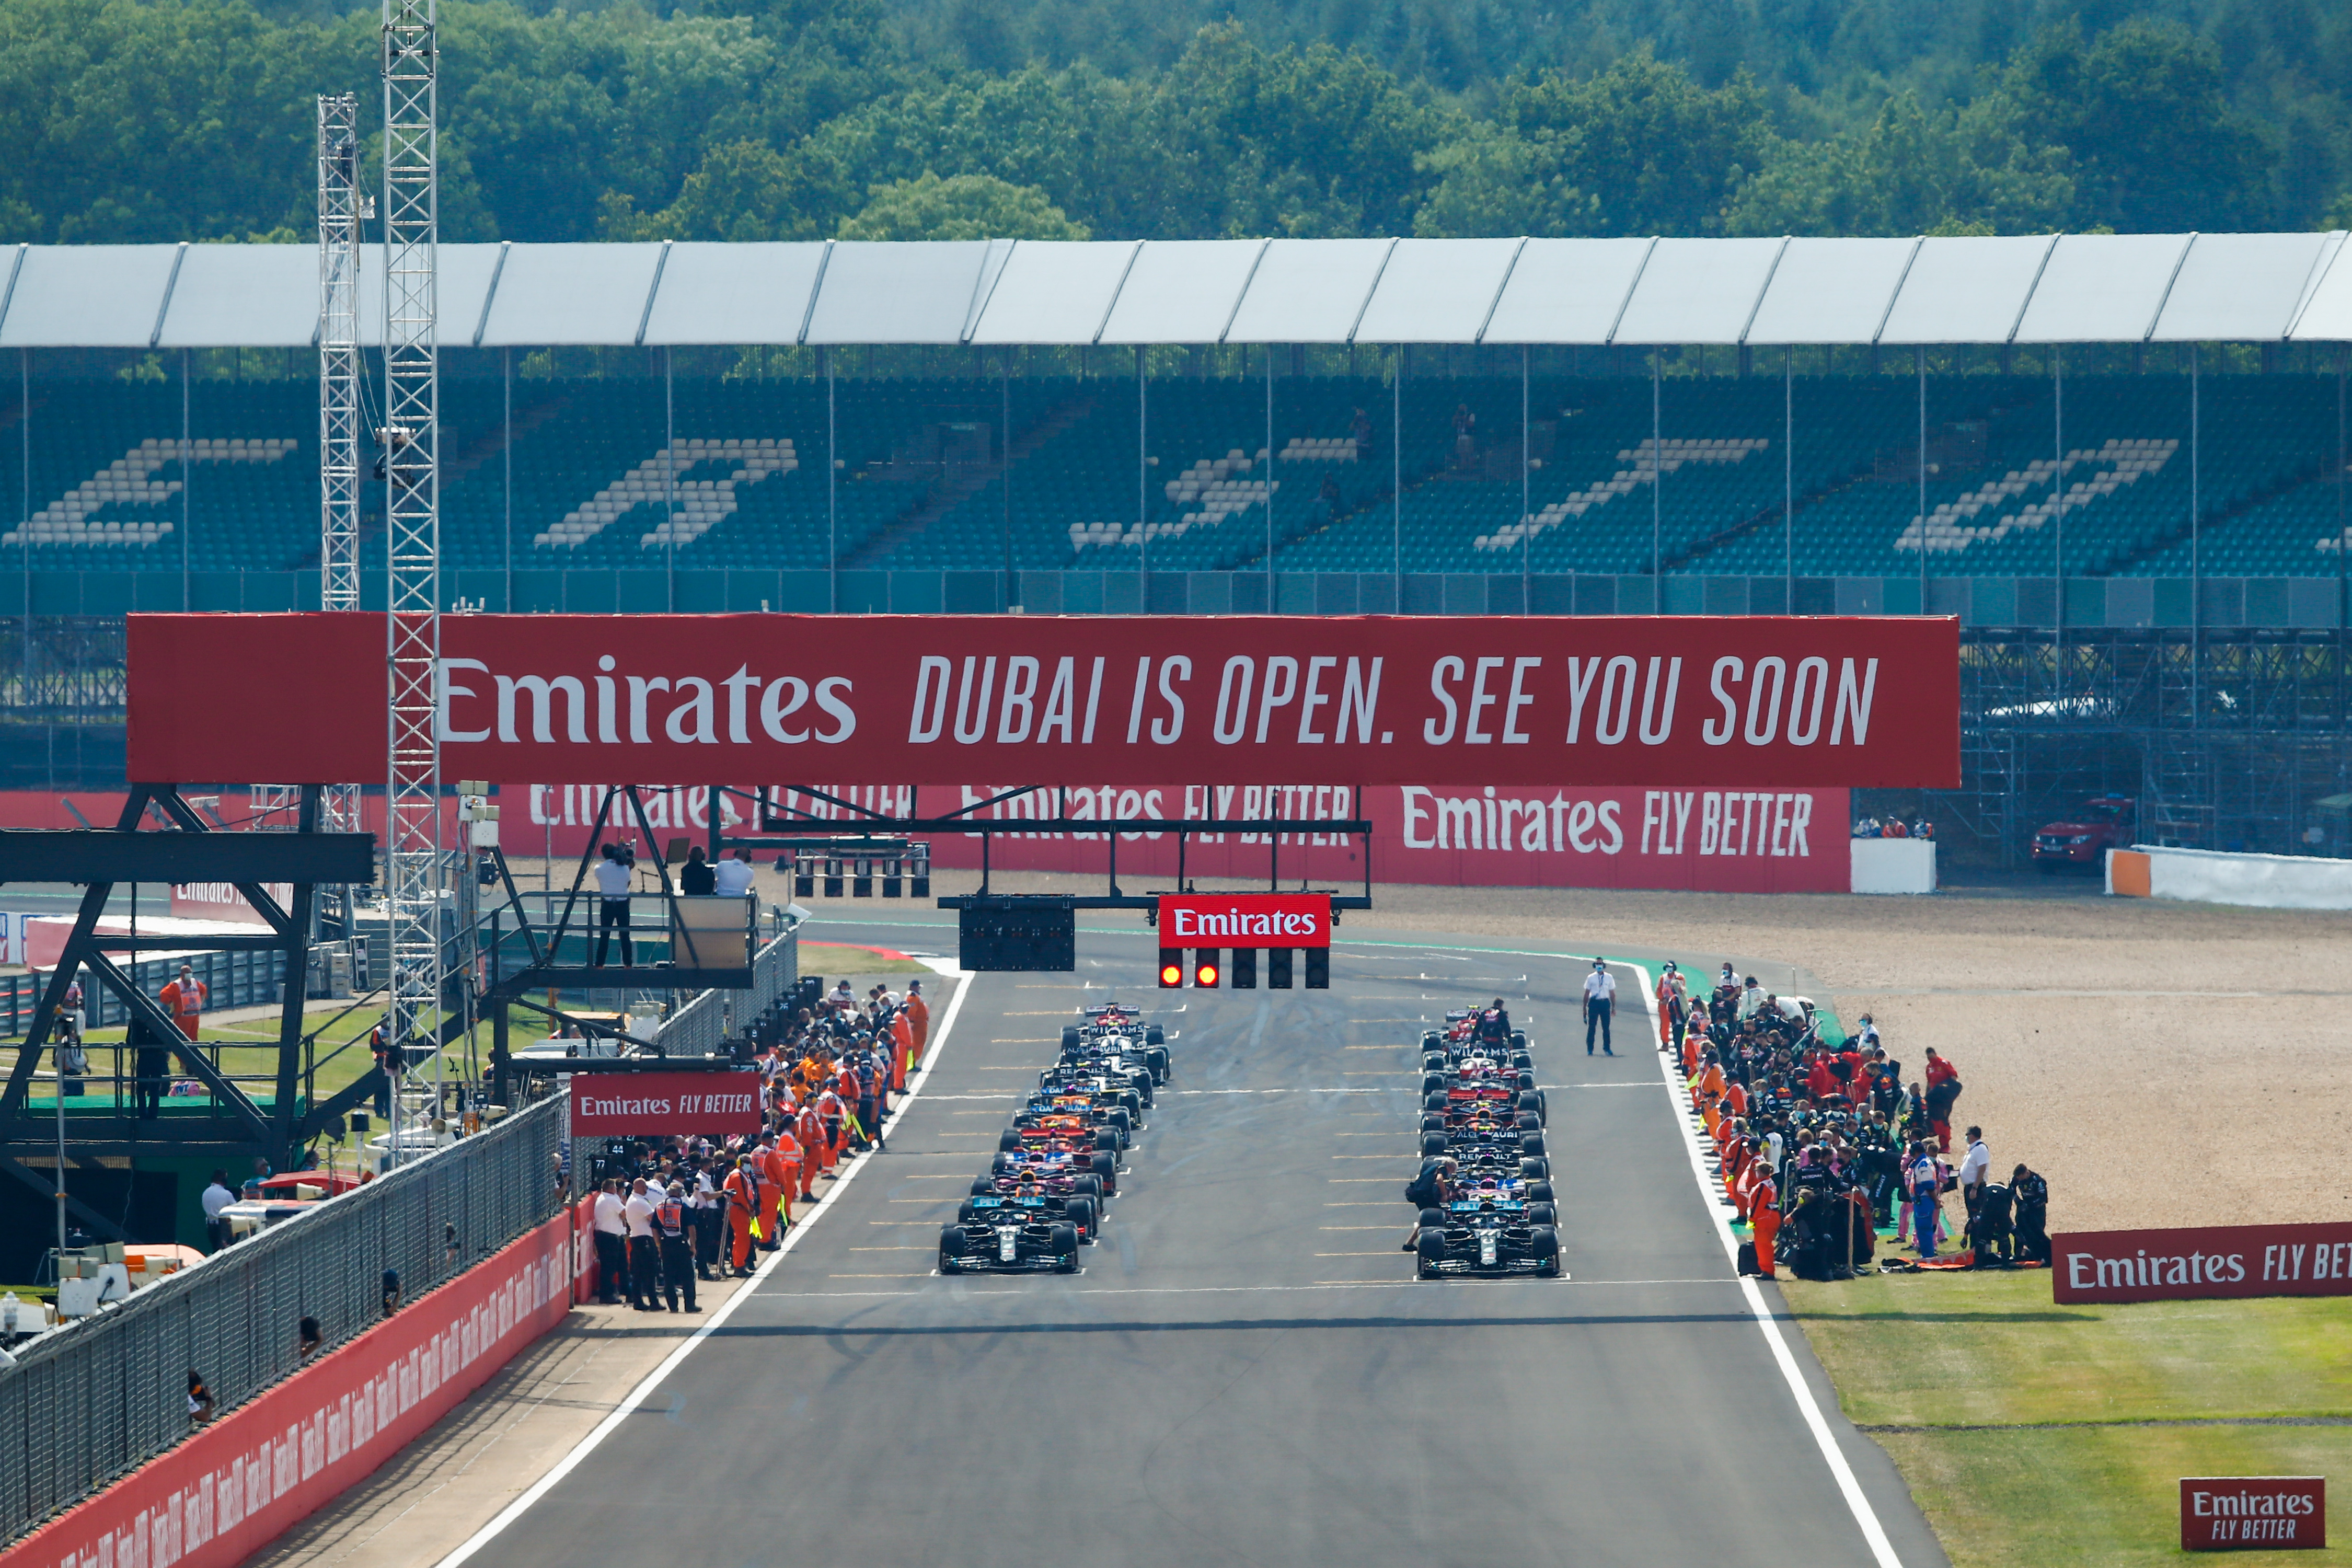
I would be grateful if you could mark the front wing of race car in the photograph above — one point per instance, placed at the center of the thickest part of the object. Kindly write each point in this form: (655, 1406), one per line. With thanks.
(998, 1243)
(1490, 1249)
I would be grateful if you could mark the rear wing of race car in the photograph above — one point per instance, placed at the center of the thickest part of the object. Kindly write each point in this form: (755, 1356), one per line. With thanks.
(1009, 1201)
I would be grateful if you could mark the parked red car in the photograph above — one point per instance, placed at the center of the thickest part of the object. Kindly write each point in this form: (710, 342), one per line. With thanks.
(2106, 822)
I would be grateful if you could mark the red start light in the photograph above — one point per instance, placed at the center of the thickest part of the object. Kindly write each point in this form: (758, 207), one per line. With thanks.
(1172, 975)
(1206, 975)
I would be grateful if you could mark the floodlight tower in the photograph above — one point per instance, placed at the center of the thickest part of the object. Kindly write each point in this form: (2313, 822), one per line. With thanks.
(341, 208)
(410, 445)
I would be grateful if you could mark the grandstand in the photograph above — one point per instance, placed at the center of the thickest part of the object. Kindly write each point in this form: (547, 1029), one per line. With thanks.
(2057, 438)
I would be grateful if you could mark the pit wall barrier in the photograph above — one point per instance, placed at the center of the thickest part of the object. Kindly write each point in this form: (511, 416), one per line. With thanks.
(2214, 876)
(1893, 865)
(238, 1484)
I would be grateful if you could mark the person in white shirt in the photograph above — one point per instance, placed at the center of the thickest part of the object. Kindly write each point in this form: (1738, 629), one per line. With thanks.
(1600, 1003)
(218, 1198)
(1974, 1166)
(1750, 998)
(611, 1245)
(615, 876)
(645, 1252)
(731, 876)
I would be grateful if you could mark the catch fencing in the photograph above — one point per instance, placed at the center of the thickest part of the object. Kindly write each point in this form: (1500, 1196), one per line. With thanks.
(88, 1404)
(696, 1029)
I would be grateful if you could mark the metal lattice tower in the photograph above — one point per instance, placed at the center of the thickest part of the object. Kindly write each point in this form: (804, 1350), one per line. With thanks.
(340, 211)
(410, 445)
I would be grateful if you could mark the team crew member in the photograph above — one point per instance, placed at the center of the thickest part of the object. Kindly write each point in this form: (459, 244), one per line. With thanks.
(677, 1254)
(611, 1245)
(783, 1165)
(1923, 1183)
(1600, 1002)
(645, 1251)
(708, 1209)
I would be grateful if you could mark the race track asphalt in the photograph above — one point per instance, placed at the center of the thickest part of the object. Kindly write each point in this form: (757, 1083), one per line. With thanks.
(1246, 1371)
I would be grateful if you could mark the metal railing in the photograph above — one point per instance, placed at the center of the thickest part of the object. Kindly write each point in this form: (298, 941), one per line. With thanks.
(696, 1029)
(91, 1402)
(244, 978)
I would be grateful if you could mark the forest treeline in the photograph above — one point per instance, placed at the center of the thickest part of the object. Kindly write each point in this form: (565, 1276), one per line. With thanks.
(138, 120)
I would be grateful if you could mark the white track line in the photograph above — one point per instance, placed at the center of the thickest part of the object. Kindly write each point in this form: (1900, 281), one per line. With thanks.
(1873, 1533)
(604, 1428)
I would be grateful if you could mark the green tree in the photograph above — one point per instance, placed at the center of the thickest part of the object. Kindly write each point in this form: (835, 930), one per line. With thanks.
(969, 206)
(2156, 145)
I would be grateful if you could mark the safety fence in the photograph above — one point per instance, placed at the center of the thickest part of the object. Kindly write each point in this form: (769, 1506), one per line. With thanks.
(696, 1029)
(89, 1403)
(244, 978)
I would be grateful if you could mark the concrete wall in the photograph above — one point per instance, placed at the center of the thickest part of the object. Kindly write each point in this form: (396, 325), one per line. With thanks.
(2207, 875)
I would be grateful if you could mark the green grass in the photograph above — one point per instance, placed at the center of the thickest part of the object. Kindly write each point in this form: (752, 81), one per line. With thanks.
(2018, 1424)
(833, 959)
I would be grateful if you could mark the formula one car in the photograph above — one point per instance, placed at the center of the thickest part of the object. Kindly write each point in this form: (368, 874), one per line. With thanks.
(1481, 1129)
(1464, 1032)
(1075, 1201)
(1457, 1093)
(1108, 1031)
(1087, 1110)
(1008, 1235)
(1100, 1163)
(1102, 1089)
(1489, 1235)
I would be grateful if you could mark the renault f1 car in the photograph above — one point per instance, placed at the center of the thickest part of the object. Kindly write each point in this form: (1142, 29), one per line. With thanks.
(1008, 1235)
(1489, 1235)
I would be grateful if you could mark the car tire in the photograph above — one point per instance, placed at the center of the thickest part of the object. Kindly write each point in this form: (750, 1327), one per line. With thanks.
(1088, 1186)
(1158, 1058)
(1106, 1170)
(1082, 1216)
(1432, 1217)
(1070, 1037)
(951, 1242)
(1435, 1100)
(1153, 1035)
(1120, 1119)
(1529, 1122)
(1542, 1213)
(1432, 1143)
(1063, 1240)
(964, 1211)
(1430, 1254)
(1008, 1141)
(999, 1162)
(982, 1187)
(1540, 1192)
(1532, 1143)
(1107, 1138)
(1535, 1170)
(1519, 1039)
(1545, 1247)
(1433, 1121)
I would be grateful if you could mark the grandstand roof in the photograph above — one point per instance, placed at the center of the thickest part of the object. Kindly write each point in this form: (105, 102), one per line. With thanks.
(1945, 290)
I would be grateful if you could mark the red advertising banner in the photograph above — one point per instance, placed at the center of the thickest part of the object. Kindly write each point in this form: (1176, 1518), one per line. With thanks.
(654, 1104)
(2194, 1265)
(2252, 1513)
(232, 1487)
(1780, 702)
(1246, 920)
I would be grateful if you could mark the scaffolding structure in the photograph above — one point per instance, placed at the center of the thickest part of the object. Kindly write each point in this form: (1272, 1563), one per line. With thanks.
(410, 445)
(341, 210)
(2228, 739)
